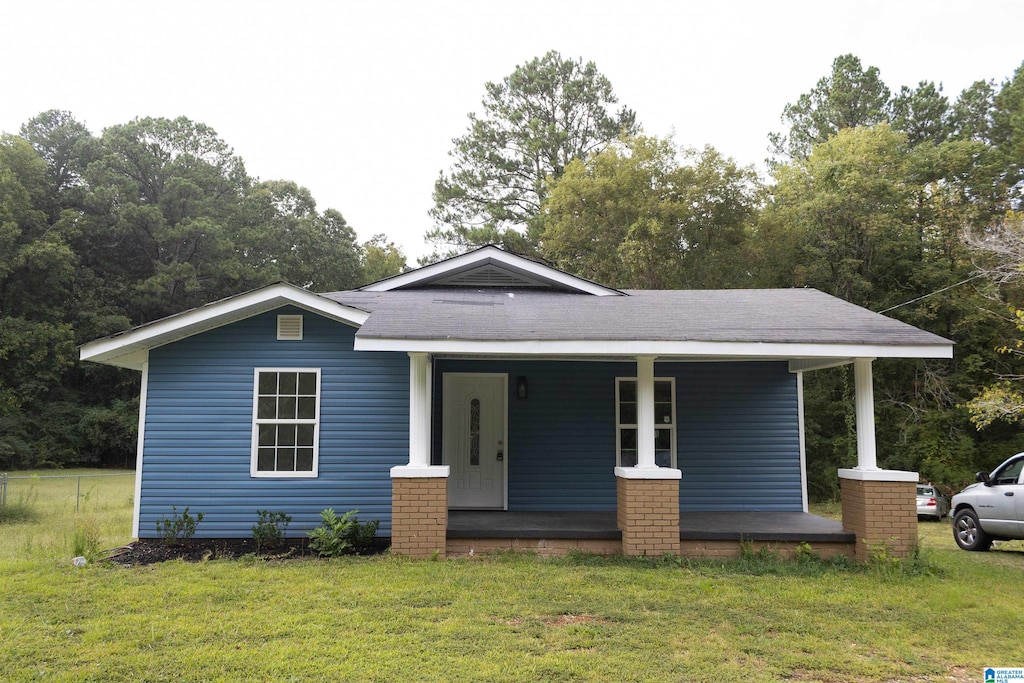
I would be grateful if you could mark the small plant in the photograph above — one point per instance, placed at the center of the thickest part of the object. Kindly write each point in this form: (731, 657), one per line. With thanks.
(342, 534)
(85, 542)
(177, 528)
(804, 552)
(269, 531)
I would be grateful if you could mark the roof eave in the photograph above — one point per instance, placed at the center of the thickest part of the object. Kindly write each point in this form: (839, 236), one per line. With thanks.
(130, 349)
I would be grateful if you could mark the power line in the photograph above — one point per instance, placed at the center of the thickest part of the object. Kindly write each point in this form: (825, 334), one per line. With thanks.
(937, 291)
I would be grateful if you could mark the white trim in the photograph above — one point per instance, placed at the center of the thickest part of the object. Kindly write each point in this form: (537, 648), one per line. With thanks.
(490, 255)
(806, 364)
(256, 422)
(619, 426)
(648, 473)
(877, 475)
(140, 446)
(428, 472)
(801, 426)
(120, 349)
(663, 349)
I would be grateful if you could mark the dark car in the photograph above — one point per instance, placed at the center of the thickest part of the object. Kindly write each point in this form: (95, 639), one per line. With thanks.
(992, 509)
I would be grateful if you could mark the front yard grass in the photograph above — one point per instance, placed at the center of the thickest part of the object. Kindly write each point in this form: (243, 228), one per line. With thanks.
(506, 618)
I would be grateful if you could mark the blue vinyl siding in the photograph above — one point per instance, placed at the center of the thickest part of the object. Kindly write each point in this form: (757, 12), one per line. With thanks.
(737, 433)
(199, 427)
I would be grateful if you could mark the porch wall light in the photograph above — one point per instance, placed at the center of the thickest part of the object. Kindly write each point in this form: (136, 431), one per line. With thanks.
(521, 388)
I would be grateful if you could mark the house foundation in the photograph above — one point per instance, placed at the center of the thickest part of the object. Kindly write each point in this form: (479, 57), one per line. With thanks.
(880, 507)
(648, 512)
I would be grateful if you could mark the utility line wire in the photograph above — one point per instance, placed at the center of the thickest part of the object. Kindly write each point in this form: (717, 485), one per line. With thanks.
(937, 291)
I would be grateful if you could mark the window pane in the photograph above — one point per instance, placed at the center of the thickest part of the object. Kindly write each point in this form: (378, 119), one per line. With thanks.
(307, 408)
(307, 384)
(286, 408)
(304, 435)
(268, 383)
(266, 408)
(663, 458)
(474, 432)
(627, 439)
(663, 392)
(627, 391)
(286, 435)
(663, 413)
(265, 460)
(663, 439)
(627, 413)
(304, 460)
(288, 380)
(268, 435)
(628, 458)
(286, 460)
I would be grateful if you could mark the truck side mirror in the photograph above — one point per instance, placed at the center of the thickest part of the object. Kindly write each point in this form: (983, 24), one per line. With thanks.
(983, 478)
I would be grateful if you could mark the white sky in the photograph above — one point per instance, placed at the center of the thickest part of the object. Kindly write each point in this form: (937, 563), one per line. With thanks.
(359, 101)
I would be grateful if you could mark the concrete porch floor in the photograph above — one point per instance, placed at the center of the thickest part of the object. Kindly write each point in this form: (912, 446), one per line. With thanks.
(693, 526)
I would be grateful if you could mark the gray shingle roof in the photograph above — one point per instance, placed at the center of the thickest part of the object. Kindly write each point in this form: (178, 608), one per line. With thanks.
(734, 315)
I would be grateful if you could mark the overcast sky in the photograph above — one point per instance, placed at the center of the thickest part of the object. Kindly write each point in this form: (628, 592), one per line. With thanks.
(359, 102)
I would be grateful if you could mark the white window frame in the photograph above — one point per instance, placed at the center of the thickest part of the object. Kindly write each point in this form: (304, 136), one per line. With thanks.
(256, 422)
(619, 426)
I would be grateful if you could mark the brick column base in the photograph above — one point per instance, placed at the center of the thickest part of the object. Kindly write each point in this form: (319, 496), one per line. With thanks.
(419, 516)
(648, 515)
(883, 514)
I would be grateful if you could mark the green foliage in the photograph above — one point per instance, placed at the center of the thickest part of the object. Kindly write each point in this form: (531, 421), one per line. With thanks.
(381, 259)
(85, 542)
(634, 216)
(178, 528)
(344, 534)
(548, 112)
(270, 530)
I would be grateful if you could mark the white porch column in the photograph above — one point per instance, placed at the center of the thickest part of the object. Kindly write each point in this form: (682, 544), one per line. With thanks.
(419, 411)
(864, 406)
(645, 412)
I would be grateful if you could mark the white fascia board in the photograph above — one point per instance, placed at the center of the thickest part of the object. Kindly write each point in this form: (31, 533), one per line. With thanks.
(486, 255)
(130, 349)
(662, 349)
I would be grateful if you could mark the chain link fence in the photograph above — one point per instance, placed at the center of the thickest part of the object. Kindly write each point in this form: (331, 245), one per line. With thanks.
(11, 485)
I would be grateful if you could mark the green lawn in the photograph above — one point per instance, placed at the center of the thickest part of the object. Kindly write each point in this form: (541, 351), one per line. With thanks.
(509, 618)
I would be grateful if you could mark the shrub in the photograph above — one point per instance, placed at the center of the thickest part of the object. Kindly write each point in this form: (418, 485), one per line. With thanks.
(177, 527)
(269, 531)
(342, 534)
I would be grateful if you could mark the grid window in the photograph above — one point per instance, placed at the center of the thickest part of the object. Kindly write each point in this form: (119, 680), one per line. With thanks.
(286, 421)
(664, 421)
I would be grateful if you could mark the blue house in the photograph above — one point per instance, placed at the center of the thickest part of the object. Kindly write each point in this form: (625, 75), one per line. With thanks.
(492, 401)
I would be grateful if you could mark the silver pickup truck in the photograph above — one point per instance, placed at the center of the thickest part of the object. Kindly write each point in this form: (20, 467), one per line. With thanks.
(992, 509)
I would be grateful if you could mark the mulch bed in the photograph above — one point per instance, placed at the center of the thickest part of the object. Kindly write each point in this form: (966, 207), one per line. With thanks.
(148, 551)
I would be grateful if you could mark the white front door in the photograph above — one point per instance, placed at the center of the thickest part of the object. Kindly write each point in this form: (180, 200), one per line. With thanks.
(473, 439)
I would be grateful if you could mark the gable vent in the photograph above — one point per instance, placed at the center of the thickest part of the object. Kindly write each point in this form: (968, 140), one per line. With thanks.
(490, 276)
(289, 327)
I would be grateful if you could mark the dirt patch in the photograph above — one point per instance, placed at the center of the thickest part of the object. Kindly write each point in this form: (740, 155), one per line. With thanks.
(150, 551)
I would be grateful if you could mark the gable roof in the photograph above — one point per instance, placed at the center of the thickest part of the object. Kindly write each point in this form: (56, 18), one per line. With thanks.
(128, 349)
(489, 302)
(489, 266)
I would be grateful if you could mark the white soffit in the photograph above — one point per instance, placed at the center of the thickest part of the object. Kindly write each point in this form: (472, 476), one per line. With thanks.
(129, 349)
(490, 264)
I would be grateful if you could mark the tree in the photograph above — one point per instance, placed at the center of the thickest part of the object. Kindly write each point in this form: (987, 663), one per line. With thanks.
(849, 97)
(381, 259)
(632, 215)
(922, 113)
(548, 112)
